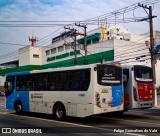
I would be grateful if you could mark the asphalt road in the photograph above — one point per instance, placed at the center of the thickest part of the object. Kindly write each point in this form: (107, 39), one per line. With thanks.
(133, 123)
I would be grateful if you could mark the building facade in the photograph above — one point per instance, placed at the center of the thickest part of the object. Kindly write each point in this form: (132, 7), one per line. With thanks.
(119, 46)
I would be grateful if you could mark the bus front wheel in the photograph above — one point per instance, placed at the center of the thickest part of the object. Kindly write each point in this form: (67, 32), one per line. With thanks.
(59, 112)
(18, 108)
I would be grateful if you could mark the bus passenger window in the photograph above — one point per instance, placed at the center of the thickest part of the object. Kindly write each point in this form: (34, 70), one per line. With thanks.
(10, 83)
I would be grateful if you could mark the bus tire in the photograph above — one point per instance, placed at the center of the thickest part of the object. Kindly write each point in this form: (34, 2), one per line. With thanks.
(59, 112)
(18, 108)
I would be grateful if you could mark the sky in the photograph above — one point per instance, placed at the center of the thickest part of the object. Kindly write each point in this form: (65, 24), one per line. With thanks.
(59, 10)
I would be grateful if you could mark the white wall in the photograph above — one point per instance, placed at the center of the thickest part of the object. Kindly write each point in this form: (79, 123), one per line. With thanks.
(26, 56)
(158, 73)
(127, 52)
(94, 48)
(35, 51)
(126, 49)
(55, 45)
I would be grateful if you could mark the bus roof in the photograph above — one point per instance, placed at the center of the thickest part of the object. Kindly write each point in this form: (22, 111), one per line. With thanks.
(64, 68)
(18, 73)
(130, 66)
(55, 69)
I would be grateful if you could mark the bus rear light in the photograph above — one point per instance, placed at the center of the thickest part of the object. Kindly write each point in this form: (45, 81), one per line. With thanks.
(153, 94)
(97, 95)
(97, 98)
(98, 104)
(135, 94)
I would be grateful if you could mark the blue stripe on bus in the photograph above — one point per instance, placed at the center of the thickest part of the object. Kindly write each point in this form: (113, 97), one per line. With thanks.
(17, 73)
(117, 95)
(21, 95)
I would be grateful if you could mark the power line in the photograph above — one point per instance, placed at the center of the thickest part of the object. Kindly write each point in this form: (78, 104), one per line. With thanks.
(36, 21)
(50, 34)
(13, 44)
(109, 15)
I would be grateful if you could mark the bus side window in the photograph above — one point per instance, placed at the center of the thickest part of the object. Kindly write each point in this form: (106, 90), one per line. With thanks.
(21, 82)
(85, 79)
(9, 84)
(79, 80)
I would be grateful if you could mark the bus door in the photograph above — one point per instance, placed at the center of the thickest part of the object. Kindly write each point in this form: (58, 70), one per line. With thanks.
(10, 92)
(22, 91)
(127, 87)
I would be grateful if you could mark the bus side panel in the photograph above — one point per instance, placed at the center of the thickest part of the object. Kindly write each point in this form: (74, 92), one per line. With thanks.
(10, 101)
(23, 96)
(117, 95)
(128, 91)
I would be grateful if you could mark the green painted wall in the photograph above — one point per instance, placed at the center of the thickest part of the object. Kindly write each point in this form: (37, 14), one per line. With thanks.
(93, 58)
(17, 69)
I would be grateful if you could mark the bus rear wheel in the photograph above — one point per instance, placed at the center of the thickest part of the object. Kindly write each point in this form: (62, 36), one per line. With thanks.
(18, 108)
(59, 112)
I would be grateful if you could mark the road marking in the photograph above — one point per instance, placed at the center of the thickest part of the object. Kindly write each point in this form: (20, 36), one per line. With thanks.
(74, 124)
(129, 120)
(135, 134)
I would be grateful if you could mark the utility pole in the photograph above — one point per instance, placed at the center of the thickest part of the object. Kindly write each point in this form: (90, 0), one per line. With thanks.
(75, 47)
(85, 41)
(85, 45)
(152, 51)
(152, 45)
(73, 33)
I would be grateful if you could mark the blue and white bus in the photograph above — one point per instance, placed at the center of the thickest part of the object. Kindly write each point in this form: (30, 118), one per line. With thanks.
(78, 91)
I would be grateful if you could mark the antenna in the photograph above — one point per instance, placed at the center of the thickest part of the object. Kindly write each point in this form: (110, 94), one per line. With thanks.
(33, 40)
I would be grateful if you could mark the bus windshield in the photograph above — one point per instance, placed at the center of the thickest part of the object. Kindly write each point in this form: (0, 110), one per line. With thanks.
(143, 74)
(109, 75)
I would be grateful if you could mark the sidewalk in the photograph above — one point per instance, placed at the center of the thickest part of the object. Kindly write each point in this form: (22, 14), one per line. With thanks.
(158, 101)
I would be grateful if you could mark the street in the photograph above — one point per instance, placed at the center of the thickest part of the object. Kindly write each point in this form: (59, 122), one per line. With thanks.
(134, 122)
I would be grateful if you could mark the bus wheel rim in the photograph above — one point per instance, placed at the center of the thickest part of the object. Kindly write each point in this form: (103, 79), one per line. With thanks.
(19, 108)
(59, 112)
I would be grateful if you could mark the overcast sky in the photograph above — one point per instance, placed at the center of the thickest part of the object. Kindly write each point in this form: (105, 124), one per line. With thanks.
(58, 10)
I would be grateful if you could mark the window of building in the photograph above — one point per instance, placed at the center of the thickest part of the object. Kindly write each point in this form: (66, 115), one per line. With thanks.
(60, 48)
(67, 46)
(47, 52)
(88, 42)
(53, 51)
(95, 40)
(35, 56)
